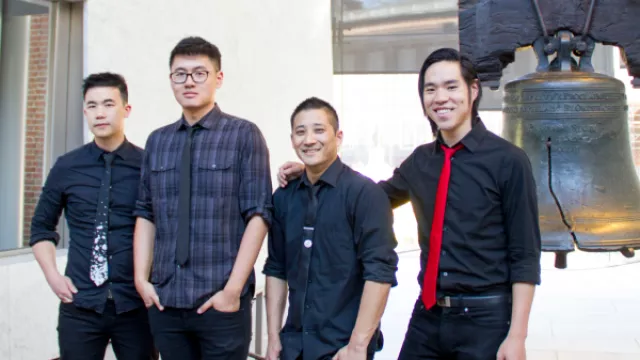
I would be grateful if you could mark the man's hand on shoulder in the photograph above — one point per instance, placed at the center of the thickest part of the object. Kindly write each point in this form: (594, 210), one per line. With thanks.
(290, 170)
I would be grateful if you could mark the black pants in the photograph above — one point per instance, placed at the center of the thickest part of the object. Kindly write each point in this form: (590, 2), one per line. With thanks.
(186, 335)
(456, 333)
(84, 334)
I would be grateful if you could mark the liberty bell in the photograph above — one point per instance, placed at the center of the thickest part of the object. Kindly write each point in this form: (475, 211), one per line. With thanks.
(573, 124)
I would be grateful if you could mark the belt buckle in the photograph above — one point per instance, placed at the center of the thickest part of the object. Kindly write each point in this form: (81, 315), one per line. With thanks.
(445, 301)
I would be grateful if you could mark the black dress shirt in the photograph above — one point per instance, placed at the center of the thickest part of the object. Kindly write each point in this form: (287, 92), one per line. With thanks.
(491, 236)
(73, 185)
(353, 242)
(231, 183)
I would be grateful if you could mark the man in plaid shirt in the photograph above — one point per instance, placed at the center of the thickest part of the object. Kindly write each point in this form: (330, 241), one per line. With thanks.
(203, 211)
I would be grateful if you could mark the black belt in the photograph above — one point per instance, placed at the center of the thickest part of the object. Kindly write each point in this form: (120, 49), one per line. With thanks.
(473, 301)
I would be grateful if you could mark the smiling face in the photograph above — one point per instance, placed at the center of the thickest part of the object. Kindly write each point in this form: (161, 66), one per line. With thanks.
(315, 139)
(447, 99)
(105, 111)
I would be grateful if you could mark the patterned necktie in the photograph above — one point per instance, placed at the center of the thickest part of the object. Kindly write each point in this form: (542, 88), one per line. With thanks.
(435, 240)
(99, 265)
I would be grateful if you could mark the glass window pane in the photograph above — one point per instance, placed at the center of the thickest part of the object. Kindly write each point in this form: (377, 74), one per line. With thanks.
(23, 92)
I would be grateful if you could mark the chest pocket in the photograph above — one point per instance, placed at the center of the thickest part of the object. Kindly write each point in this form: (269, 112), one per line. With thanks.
(215, 176)
(164, 173)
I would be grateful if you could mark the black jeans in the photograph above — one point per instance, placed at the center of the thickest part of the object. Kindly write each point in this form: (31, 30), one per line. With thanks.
(84, 334)
(456, 333)
(186, 335)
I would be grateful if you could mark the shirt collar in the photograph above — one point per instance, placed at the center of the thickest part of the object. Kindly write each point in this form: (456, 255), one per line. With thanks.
(329, 176)
(207, 121)
(471, 141)
(125, 151)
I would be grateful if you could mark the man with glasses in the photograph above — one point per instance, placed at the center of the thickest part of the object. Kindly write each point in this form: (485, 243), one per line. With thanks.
(203, 211)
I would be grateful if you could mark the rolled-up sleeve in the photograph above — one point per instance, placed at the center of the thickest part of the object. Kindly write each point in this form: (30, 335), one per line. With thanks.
(49, 208)
(255, 178)
(520, 209)
(376, 242)
(144, 204)
(275, 264)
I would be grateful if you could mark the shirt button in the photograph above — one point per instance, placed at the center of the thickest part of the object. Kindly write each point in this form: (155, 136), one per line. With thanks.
(110, 257)
(445, 229)
(307, 306)
(444, 252)
(308, 243)
(445, 274)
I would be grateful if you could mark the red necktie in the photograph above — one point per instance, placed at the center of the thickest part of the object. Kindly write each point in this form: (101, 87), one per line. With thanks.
(435, 240)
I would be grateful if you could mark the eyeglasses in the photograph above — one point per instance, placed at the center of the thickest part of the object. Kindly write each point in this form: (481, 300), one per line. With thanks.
(180, 77)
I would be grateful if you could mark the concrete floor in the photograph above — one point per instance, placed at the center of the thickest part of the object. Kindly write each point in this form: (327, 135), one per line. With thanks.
(589, 311)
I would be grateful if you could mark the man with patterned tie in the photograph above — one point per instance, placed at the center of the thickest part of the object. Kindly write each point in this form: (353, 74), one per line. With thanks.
(96, 185)
(474, 198)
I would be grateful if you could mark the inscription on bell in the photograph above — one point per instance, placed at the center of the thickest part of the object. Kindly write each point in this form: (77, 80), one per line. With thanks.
(564, 95)
(556, 108)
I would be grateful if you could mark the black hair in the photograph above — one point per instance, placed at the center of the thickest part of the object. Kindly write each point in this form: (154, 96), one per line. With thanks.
(468, 73)
(314, 103)
(106, 79)
(195, 45)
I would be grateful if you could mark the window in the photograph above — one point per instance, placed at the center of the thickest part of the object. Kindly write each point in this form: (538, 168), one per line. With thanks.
(39, 54)
(379, 47)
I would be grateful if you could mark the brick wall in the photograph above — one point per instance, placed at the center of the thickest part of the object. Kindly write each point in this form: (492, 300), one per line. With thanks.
(36, 108)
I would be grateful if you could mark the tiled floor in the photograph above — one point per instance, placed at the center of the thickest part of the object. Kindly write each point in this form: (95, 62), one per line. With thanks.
(590, 311)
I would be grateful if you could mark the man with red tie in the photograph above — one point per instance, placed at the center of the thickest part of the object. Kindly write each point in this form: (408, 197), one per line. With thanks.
(474, 197)
(475, 202)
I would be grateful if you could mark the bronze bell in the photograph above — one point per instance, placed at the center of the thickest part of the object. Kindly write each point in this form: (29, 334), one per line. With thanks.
(573, 124)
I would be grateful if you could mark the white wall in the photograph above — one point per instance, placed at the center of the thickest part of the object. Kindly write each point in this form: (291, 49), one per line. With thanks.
(275, 53)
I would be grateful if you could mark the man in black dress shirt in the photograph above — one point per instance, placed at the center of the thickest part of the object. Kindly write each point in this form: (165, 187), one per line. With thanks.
(332, 243)
(203, 212)
(474, 197)
(96, 186)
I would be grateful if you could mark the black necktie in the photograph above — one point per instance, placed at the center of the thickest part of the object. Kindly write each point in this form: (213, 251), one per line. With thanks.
(99, 266)
(304, 261)
(184, 200)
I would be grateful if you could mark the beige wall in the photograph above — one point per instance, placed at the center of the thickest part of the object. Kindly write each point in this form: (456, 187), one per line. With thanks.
(275, 53)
